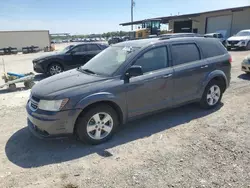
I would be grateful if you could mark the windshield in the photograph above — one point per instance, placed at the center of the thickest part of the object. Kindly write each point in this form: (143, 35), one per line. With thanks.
(243, 33)
(109, 60)
(67, 48)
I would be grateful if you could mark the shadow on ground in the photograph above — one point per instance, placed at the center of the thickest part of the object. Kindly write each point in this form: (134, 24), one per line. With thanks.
(26, 151)
(39, 77)
(6, 90)
(244, 76)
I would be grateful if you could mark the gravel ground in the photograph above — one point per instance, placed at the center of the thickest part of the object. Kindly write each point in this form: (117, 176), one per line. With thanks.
(183, 147)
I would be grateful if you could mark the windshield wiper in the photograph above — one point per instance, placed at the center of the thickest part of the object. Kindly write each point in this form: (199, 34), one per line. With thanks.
(88, 71)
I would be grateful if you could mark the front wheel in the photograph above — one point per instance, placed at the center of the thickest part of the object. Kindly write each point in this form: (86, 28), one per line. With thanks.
(212, 95)
(54, 69)
(97, 125)
(248, 46)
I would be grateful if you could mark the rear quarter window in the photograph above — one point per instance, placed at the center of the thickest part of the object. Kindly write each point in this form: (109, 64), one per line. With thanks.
(212, 48)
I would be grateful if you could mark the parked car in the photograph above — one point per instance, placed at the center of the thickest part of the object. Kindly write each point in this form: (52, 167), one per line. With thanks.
(240, 40)
(218, 36)
(245, 65)
(126, 81)
(30, 49)
(8, 51)
(71, 57)
(114, 40)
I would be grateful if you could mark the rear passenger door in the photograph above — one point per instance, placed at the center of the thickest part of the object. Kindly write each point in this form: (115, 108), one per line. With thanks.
(189, 71)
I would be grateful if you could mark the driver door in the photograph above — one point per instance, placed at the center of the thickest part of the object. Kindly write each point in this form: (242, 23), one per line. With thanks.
(76, 57)
(152, 90)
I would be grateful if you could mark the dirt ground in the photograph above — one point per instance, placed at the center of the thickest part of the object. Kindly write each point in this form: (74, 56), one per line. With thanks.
(183, 147)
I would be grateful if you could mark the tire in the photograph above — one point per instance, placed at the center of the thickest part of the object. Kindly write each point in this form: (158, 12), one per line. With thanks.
(92, 131)
(12, 87)
(55, 68)
(29, 84)
(248, 46)
(211, 100)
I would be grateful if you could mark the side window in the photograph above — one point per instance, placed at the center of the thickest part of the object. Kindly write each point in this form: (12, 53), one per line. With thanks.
(80, 48)
(153, 60)
(212, 49)
(184, 53)
(220, 36)
(92, 47)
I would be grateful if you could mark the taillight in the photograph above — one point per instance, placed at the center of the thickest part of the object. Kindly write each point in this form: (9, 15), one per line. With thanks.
(230, 59)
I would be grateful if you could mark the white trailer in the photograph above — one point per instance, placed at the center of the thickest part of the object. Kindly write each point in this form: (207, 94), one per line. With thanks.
(20, 39)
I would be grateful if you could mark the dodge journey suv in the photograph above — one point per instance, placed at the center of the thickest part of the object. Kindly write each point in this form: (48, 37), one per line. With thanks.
(128, 80)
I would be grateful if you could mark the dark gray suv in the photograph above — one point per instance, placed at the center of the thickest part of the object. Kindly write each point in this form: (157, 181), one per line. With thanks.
(128, 80)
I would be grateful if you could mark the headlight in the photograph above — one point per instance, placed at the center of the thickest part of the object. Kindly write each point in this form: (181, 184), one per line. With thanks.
(40, 60)
(243, 42)
(52, 105)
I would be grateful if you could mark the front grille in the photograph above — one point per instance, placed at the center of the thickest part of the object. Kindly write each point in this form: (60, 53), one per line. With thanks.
(33, 103)
(233, 42)
(35, 99)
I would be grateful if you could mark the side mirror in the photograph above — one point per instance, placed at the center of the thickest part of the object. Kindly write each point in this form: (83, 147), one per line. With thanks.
(133, 71)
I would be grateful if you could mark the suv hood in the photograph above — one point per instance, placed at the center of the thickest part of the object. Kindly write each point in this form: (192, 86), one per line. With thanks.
(63, 81)
(237, 38)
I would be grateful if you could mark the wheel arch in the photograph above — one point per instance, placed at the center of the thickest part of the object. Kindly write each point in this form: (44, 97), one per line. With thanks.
(54, 61)
(100, 99)
(217, 75)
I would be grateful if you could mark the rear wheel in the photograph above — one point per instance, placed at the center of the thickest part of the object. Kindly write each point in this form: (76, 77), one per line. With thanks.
(212, 95)
(55, 68)
(97, 125)
(248, 46)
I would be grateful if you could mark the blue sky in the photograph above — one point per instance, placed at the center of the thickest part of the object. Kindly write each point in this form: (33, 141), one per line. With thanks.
(95, 16)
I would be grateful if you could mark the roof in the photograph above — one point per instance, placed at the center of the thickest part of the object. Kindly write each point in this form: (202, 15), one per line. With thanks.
(146, 42)
(137, 43)
(167, 18)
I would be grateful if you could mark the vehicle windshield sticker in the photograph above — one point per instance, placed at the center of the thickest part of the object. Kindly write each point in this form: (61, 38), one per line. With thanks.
(128, 49)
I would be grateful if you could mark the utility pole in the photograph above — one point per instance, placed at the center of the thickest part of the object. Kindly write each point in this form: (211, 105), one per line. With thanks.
(132, 13)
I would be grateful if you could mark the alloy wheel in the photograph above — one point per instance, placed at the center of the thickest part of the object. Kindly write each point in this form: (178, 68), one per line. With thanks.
(213, 95)
(55, 69)
(100, 125)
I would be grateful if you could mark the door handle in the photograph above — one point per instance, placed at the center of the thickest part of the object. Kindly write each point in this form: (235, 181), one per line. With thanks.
(167, 75)
(205, 66)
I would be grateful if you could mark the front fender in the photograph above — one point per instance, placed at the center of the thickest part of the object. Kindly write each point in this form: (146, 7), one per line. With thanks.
(103, 97)
(209, 77)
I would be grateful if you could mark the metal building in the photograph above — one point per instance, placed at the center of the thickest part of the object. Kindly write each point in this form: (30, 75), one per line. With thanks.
(227, 21)
(20, 39)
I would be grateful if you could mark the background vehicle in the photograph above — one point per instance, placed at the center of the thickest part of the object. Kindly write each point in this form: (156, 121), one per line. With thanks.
(149, 27)
(126, 81)
(114, 40)
(8, 51)
(245, 65)
(218, 36)
(71, 57)
(240, 40)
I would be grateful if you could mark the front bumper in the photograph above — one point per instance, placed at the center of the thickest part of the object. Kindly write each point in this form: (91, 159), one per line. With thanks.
(240, 44)
(44, 124)
(245, 67)
(38, 68)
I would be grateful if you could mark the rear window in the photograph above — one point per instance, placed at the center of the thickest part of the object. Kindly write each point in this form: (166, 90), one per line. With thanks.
(184, 53)
(211, 48)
